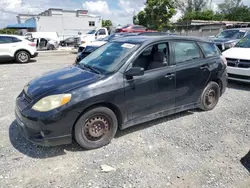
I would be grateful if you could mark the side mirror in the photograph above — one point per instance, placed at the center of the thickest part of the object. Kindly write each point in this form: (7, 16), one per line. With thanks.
(134, 71)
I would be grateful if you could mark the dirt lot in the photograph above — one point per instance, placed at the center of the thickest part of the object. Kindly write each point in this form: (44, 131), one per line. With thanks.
(190, 149)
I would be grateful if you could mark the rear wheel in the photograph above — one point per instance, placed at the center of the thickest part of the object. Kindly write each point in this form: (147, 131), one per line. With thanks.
(96, 128)
(22, 57)
(210, 96)
(51, 47)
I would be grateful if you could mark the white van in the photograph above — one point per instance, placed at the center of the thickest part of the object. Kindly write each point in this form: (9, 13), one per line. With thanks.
(49, 35)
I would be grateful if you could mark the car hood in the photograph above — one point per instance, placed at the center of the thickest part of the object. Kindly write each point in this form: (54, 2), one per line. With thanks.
(60, 81)
(225, 40)
(237, 53)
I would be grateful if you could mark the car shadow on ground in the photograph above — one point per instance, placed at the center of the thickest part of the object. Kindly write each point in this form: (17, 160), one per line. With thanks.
(13, 62)
(32, 150)
(245, 161)
(238, 85)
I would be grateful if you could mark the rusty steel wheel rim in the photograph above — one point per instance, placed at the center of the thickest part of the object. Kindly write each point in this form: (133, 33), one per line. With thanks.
(96, 127)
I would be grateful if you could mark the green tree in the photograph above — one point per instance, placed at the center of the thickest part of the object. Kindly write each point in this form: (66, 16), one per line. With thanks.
(228, 6)
(141, 19)
(8, 31)
(107, 23)
(188, 6)
(199, 15)
(241, 13)
(158, 13)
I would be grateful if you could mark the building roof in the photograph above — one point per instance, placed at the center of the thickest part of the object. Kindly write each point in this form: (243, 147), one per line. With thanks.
(29, 24)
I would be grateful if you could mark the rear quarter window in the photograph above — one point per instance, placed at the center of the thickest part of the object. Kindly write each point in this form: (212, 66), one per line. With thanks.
(209, 49)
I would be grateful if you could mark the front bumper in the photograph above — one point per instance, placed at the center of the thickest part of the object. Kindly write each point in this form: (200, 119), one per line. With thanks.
(239, 74)
(40, 133)
(35, 55)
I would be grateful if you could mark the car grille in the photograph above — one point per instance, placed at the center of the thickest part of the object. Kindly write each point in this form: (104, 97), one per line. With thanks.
(239, 76)
(238, 63)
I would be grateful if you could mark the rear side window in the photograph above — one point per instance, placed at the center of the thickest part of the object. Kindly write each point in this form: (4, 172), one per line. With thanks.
(185, 51)
(209, 49)
(6, 40)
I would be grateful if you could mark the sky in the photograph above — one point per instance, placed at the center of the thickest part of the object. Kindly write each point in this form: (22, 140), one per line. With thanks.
(119, 11)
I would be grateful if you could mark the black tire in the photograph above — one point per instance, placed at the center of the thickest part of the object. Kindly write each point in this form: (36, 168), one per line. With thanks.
(51, 47)
(96, 128)
(210, 96)
(22, 57)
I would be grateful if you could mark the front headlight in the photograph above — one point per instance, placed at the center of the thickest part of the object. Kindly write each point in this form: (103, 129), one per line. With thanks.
(51, 102)
(230, 45)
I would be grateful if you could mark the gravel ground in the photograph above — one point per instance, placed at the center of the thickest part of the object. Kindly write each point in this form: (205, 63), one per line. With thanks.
(190, 149)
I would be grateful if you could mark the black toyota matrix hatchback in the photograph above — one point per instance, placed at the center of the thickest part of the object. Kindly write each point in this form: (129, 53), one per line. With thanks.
(123, 83)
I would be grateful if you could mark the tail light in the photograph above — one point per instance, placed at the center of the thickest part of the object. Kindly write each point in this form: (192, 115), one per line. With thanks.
(224, 60)
(32, 44)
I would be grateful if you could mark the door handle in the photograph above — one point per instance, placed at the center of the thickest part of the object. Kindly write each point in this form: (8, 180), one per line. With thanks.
(204, 67)
(170, 75)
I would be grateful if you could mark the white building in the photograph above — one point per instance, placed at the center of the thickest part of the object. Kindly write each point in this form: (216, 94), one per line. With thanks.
(65, 22)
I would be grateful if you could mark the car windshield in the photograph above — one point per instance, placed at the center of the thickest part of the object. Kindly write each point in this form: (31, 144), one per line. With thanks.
(92, 32)
(244, 43)
(109, 58)
(231, 34)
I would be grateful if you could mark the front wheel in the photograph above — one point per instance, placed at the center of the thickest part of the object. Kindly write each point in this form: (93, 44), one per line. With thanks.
(210, 96)
(96, 128)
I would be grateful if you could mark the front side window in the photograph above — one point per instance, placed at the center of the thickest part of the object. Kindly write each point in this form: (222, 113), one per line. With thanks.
(92, 32)
(109, 58)
(185, 51)
(102, 32)
(209, 49)
(91, 23)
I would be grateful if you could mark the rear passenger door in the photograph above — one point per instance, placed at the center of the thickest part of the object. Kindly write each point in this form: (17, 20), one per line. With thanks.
(192, 72)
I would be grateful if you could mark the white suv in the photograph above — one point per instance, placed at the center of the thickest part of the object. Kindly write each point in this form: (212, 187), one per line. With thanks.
(13, 47)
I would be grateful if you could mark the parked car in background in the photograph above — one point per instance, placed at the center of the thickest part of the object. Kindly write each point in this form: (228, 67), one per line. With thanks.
(127, 81)
(45, 43)
(17, 48)
(133, 28)
(229, 37)
(238, 60)
(71, 41)
(94, 35)
(50, 35)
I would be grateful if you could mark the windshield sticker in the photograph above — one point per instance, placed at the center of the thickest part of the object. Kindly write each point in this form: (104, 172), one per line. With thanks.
(242, 31)
(126, 45)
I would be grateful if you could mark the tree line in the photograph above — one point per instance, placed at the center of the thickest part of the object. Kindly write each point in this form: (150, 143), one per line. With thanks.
(157, 13)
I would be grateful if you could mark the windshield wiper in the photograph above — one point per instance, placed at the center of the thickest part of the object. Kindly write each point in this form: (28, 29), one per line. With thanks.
(91, 68)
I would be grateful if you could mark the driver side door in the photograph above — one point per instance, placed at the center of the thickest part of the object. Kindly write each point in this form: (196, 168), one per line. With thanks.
(152, 92)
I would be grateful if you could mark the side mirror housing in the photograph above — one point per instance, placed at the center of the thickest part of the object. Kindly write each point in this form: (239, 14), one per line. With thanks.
(134, 71)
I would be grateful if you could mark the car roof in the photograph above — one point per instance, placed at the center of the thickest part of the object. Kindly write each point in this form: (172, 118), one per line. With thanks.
(244, 28)
(149, 39)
